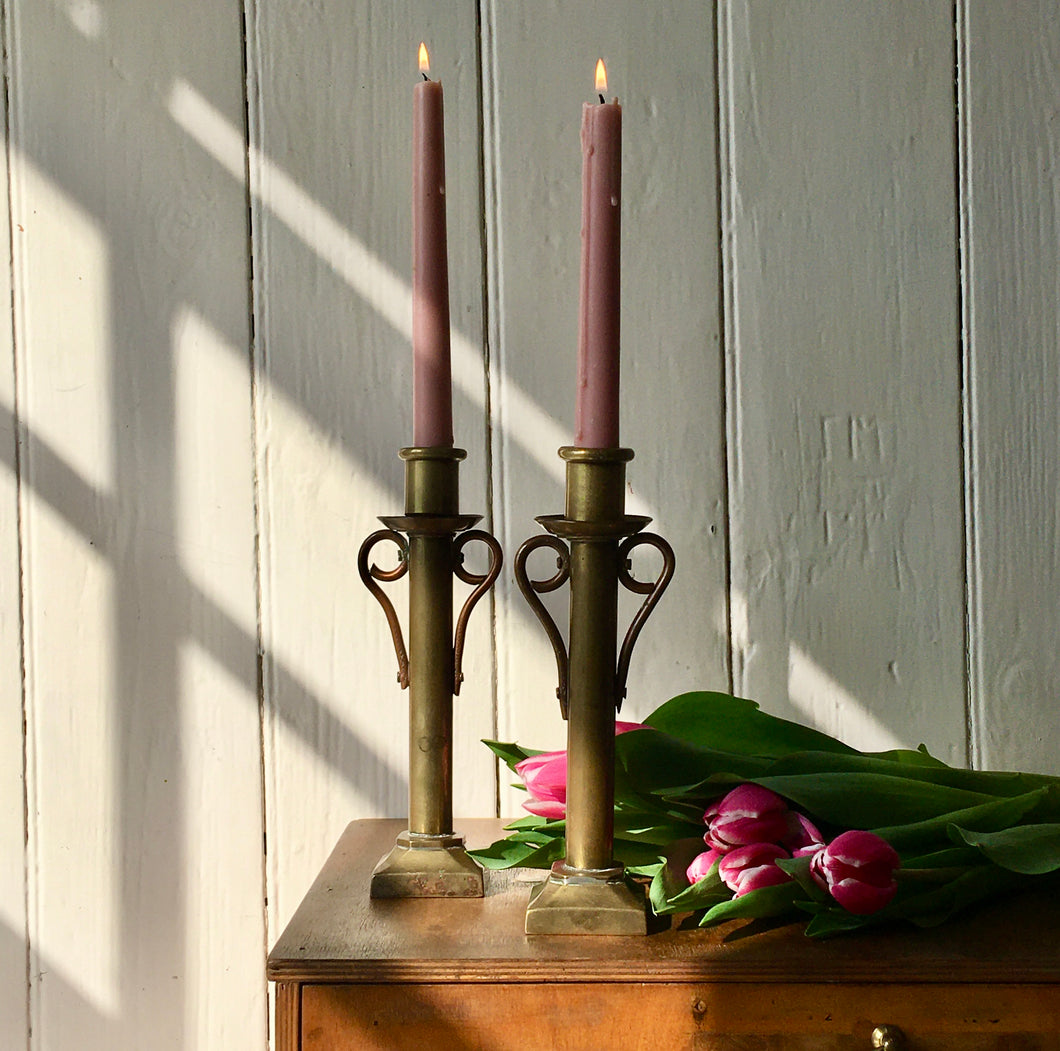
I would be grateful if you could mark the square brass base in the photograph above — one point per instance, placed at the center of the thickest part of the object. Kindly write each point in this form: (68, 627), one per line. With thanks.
(572, 901)
(424, 866)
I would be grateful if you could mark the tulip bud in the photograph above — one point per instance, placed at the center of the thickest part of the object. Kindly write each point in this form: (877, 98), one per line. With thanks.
(858, 869)
(803, 840)
(702, 865)
(545, 777)
(748, 814)
(752, 867)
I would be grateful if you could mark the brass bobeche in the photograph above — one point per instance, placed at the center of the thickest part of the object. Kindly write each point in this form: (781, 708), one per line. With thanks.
(588, 891)
(428, 859)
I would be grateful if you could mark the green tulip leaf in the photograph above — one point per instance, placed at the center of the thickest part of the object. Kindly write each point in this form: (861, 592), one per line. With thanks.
(516, 852)
(659, 763)
(939, 860)
(670, 890)
(867, 800)
(983, 782)
(756, 904)
(646, 828)
(549, 826)
(1031, 850)
(731, 724)
(829, 922)
(509, 752)
(799, 870)
(988, 817)
(930, 907)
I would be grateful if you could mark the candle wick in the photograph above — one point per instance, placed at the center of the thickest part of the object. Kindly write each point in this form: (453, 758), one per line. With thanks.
(424, 75)
(601, 100)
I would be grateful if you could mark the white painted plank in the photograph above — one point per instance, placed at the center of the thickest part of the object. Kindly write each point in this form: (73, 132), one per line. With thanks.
(540, 59)
(331, 119)
(14, 1017)
(844, 429)
(1010, 90)
(147, 924)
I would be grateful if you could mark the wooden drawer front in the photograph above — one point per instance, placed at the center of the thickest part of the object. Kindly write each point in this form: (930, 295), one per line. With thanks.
(718, 1017)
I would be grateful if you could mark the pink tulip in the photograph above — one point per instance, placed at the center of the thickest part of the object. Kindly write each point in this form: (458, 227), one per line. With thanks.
(748, 814)
(858, 869)
(752, 867)
(702, 864)
(545, 777)
(803, 840)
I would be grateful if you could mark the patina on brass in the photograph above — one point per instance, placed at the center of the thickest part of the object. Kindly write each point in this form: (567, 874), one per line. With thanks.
(428, 859)
(588, 892)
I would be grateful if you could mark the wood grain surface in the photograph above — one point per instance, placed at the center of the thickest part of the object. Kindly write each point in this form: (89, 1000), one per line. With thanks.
(339, 934)
(729, 1017)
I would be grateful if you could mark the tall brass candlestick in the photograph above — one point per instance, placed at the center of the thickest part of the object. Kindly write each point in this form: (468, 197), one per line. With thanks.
(587, 892)
(428, 859)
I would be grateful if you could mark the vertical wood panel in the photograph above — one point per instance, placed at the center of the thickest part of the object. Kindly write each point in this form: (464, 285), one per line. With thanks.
(540, 61)
(132, 304)
(1011, 124)
(331, 119)
(13, 991)
(844, 385)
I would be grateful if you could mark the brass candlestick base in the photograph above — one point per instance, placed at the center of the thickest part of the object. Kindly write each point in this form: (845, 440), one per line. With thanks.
(422, 866)
(573, 901)
(428, 859)
(588, 893)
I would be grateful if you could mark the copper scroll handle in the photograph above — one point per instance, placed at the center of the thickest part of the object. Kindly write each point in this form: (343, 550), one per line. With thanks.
(482, 582)
(532, 588)
(654, 592)
(371, 573)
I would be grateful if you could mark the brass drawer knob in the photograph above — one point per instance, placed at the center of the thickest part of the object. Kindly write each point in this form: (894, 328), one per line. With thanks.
(888, 1038)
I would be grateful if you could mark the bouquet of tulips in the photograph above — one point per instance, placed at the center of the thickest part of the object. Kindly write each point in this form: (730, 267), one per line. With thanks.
(734, 813)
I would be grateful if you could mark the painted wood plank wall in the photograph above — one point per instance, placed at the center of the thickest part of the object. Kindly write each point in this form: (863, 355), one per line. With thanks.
(14, 1011)
(840, 380)
(131, 272)
(844, 431)
(1010, 82)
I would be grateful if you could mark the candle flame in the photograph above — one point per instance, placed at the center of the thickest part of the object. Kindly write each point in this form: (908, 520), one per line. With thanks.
(601, 75)
(425, 62)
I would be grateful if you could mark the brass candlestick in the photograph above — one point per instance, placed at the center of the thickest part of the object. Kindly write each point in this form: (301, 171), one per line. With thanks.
(429, 860)
(588, 891)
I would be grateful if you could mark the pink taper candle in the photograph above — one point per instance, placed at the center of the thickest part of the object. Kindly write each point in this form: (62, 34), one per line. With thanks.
(596, 413)
(432, 385)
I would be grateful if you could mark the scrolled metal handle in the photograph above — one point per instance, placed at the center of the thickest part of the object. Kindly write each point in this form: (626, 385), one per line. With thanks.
(888, 1038)
(371, 573)
(652, 589)
(482, 582)
(532, 588)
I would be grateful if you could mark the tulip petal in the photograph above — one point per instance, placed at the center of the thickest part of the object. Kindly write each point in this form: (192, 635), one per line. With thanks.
(702, 865)
(550, 808)
(861, 898)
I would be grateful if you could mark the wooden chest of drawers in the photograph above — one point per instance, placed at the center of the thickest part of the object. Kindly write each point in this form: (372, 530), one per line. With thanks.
(434, 974)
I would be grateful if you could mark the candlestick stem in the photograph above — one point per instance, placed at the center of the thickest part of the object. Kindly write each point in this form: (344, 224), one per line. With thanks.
(429, 859)
(588, 892)
(430, 685)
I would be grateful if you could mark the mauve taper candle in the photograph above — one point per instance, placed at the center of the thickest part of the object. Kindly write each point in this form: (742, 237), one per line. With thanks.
(432, 384)
(596, 412)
